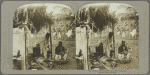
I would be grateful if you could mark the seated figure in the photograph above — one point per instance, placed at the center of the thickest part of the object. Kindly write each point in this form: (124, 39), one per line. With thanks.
(80, 53)
(123, 52)
(18, 54)
(60, 52)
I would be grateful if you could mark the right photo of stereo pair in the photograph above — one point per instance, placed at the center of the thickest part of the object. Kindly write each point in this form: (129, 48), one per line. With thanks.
(107, 36)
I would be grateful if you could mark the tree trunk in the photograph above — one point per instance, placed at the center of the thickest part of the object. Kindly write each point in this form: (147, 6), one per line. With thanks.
(88, 50)
(113, 38)
(26, 53)
(89, 38)
(50, 40)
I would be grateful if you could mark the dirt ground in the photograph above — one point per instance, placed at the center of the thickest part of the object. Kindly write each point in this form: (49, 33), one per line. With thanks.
(134, 64)
(71, 65)
(70, 46)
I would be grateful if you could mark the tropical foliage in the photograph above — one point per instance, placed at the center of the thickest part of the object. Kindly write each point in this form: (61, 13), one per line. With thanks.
(35, 17)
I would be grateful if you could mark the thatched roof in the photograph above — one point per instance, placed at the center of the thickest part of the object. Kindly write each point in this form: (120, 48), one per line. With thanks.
(41, 14)
(104, 14)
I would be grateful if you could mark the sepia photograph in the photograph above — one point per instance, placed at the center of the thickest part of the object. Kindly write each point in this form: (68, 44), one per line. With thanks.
(44, 37)
(107, 36)
(75, 37)
(51, 37)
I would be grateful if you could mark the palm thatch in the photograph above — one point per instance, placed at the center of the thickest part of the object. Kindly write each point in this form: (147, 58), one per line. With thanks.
(36, 16)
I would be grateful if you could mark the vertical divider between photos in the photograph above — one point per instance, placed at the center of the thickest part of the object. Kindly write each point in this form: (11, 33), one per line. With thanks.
(82, 43)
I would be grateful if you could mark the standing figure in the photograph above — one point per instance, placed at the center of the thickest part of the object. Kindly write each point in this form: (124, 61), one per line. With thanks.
(109, 40)
(48, 54)
(99, 50)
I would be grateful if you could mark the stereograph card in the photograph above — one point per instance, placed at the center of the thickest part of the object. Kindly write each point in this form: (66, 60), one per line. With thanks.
(75, 37)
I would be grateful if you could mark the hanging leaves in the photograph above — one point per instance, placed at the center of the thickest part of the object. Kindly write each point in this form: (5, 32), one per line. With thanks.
(36, 17)
(99, 15)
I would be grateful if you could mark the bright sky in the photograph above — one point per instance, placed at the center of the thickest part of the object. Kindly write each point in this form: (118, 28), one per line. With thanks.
(113, 7)
(51, 7)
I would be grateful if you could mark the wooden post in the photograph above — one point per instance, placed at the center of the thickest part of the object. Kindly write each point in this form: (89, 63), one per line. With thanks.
(26, 49)
(88, 43)
(113, 38)
(87, 50)
(89, 37)
(50, 40)
(26, 52)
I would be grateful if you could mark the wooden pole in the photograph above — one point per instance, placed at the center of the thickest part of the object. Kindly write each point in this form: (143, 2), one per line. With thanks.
(50, 40)
(24, 64)
(113, 38)
(26, 51)
(87, 36)
(87, 49)
(88, 40)
(25, 57)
